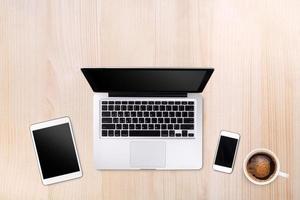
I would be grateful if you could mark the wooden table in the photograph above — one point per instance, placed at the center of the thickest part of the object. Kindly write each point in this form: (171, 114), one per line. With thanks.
(254, 47)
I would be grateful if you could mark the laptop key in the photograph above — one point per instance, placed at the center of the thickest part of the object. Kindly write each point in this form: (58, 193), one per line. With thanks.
(179, 120)
(114, 114)
(117, 133)
(106, 120)
(144, 133)
(176, 126)
(110, 107)
(152, 114)
(151, 126)
(104, 102)
(157, 126)
(188, 120)
(173, 120)
(140, 114)
(133, 114)
(165, 114)
(171, 114)
(124, 133)
(117, 107)
(104, 133)
(122, 120)
(191, 114)
(108, 126)
(120, 114)
(189, 108)
(159, 114)
(164, 133)
(160, 120)
(171, 133)
(104, 108)
(187, 126)
(144, 126)
(105, 114)
(191, 134)
(138, 126)
(126, 114)
(154, 120)
(119, 126)
(184, 133)
(149, 108)
(110, 133)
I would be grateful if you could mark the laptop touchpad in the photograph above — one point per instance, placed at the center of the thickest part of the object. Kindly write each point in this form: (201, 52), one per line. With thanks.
(148, 154)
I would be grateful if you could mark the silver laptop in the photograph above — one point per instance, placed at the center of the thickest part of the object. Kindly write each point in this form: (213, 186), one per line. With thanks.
(147, 118)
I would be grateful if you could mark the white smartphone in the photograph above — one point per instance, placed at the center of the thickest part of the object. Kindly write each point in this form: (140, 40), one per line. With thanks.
(226, 151)
(55, 150)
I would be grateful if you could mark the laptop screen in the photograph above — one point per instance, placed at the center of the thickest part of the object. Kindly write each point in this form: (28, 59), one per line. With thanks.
(147, 79)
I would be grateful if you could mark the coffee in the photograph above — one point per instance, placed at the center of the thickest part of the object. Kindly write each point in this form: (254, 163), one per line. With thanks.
(261, 166)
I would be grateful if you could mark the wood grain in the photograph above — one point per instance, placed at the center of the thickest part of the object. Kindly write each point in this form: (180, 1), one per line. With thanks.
(254, 47)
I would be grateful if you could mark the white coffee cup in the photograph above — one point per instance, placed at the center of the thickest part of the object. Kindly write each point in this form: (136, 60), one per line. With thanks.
(276, 173)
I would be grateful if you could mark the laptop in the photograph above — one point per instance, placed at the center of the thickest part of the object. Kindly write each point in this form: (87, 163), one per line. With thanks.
(147, 118)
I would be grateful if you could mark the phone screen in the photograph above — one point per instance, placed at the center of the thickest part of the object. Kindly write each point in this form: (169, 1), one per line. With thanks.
(226, 151)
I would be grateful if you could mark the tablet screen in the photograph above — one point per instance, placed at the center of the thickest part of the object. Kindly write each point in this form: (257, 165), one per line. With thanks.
(56, 150)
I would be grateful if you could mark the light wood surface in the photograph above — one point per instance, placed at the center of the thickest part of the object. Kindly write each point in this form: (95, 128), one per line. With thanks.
(254, 47)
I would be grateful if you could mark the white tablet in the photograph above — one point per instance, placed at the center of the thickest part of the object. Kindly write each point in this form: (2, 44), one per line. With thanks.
(55, 149)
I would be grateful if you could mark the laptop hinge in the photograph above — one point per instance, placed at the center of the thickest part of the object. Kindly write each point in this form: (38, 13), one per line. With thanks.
(147, 94)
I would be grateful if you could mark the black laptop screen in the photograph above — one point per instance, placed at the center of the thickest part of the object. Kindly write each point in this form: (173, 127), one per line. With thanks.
(146, 79)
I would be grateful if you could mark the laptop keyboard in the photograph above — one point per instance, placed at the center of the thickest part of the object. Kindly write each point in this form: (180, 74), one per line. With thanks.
(147, 119)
